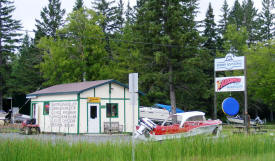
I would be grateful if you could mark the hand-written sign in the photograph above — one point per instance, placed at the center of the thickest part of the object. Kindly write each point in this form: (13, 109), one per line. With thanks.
(63, 114)
(94, 99)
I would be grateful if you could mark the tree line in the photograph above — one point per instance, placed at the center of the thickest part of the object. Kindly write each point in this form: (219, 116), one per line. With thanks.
(160, 39)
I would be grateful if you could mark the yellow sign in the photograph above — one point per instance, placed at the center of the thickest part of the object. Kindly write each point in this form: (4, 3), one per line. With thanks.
(94, 99)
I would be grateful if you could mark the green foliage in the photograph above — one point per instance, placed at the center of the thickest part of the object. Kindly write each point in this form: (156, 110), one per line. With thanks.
(261, 73)
(235, 40)
(75, 55)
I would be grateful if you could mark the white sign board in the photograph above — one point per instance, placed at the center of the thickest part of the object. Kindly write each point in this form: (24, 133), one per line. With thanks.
(227, 84)
(230, 62)
(133, 82)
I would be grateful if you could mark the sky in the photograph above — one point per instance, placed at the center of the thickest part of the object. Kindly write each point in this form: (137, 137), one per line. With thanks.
(29, 10)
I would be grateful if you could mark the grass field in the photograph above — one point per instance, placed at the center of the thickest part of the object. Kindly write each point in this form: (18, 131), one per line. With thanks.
(229, 148)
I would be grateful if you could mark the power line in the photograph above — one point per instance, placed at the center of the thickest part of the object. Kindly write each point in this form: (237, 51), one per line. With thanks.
(99, 37)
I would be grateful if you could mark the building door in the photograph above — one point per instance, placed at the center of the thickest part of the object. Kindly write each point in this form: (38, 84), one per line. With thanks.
(35, 112)
(93, 118)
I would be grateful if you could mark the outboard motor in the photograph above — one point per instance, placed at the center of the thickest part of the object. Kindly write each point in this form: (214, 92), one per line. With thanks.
(146, 125)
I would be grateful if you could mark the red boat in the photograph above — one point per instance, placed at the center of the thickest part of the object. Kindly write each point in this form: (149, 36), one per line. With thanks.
(188, 124)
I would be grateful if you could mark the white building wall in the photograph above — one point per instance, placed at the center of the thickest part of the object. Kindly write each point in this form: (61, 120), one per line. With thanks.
(125, 118)
(83, 116)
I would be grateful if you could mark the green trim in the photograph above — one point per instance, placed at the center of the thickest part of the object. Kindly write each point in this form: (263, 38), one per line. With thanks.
(78, 102)
(54, 101)
(115, 98)
(87, 118)
(111, 98)
(31, 109)
(116, 110)
(54, 93)
(124, 113)
(110, 118)
(103, 106)
(44, 123)
(99, 118)
(44, 111)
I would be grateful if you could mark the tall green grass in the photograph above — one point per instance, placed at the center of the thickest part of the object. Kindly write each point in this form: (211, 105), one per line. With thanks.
(237, 147)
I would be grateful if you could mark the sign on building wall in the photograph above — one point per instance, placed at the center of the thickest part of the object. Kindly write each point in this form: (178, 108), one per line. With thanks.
(229, 62)
(94, 99)
(63, 115)
(227, 84)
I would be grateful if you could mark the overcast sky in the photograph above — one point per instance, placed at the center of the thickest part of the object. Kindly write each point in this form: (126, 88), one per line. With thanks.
(29, 10)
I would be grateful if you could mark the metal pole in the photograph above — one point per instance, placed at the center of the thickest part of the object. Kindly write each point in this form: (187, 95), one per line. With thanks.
(245, 96)
(133, 133)
(12, 112)
(215, 96)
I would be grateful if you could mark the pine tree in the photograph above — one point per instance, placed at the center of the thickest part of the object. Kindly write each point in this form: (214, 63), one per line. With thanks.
(267, 17)
(119, 22)
(25, 74)
(129, 14)
(210, 31)
(78, 4)
(250, 21)
(236, 15)
(224, 18)
(8, 40)
(52, 19)
(108, 25)
(108, 10)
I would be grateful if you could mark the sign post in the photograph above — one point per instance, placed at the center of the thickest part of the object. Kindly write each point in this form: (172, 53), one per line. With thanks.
(133, 89)
(233, 83)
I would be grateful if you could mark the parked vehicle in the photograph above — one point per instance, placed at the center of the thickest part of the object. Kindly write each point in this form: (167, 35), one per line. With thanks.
(29, 126)
(188, 124)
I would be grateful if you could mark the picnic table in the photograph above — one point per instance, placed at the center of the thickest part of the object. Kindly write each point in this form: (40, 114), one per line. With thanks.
(252, 128)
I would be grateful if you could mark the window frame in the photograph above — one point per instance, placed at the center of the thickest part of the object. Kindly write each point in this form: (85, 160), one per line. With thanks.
(111, 109)
(44, 108)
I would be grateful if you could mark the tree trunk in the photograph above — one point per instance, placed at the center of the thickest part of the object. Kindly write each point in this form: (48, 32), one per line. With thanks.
(1, 62)
(271, 115)
(172, 93)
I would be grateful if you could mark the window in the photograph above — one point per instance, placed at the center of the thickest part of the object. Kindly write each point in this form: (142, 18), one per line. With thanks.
(46, 108)
(112, 110)
(93, 112)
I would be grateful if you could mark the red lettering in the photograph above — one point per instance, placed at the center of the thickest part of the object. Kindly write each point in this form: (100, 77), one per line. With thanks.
(225, 82)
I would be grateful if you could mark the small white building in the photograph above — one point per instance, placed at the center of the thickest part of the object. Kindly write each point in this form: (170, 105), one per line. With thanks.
(84, 108)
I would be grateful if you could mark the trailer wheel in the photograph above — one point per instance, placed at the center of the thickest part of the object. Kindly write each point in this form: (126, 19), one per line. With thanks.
(38, 130)
(27, 130)
(216, 131)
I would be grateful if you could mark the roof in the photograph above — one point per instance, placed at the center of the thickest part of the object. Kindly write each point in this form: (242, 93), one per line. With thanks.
(73, 88)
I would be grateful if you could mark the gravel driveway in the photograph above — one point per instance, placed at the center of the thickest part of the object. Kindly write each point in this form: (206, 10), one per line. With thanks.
(91, 138)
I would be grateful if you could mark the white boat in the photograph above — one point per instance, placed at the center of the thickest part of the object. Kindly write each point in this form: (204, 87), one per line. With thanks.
(188, 124)
(238, 120)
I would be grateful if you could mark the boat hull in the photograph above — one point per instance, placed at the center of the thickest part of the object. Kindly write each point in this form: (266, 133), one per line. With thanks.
(209, 129)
